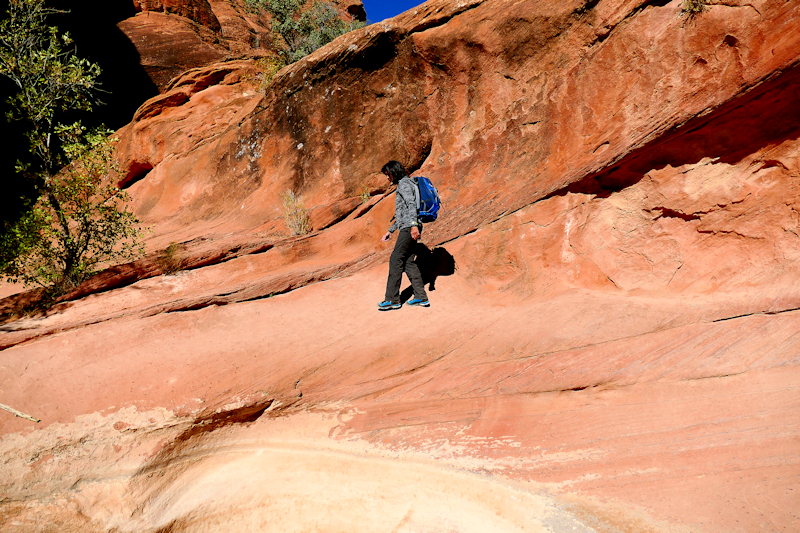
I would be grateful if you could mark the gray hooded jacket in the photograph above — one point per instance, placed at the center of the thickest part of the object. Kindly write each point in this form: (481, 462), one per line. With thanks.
(405, 205)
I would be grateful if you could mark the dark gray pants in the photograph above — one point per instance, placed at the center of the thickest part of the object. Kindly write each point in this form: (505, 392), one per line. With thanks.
(402, 260)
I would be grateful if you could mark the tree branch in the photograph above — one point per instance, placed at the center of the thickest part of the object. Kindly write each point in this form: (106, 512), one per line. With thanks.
(18, 413)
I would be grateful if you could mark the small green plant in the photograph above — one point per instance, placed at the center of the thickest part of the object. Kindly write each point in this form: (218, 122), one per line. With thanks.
(365, 194)
(170, 259)
(692, 8)
(296, 215)
(267, 68)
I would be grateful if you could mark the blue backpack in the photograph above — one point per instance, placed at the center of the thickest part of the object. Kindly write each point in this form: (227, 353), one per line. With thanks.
(428, 202)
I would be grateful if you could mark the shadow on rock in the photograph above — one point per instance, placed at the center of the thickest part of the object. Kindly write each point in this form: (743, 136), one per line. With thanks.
(432, 264)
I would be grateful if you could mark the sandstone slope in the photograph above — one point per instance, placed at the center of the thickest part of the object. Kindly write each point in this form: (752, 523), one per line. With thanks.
(614, 347)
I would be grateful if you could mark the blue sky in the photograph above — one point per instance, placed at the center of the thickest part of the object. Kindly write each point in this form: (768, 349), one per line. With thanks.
(377, 10)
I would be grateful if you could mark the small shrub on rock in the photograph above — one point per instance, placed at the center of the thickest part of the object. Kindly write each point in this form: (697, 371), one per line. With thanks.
(365, 194)
(692, 8)
(296, 215)
(170, 259)
(267, 68)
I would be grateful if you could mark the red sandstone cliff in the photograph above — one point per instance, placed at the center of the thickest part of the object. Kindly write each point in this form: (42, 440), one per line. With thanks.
(617, 349)
(173, 36)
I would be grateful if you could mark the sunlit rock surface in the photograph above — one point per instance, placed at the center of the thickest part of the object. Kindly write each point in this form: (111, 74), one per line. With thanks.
(613, 338)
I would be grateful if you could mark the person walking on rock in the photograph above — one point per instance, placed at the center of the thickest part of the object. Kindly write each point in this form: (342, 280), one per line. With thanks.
(409, 229)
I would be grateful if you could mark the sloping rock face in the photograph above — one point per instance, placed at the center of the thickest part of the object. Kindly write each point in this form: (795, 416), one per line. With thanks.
(199, 11)
(173, 36)
(612, 343)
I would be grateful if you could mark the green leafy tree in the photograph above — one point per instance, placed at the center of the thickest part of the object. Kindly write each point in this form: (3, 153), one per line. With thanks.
(49, 77)
(82, 221)
(79, 220)
(301, 26)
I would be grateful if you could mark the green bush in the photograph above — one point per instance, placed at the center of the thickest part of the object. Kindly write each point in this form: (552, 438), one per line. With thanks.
(301, 26)
(267, 68)
(692, 8)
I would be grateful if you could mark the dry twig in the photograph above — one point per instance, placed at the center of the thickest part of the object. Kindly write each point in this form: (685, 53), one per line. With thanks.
(18, 413)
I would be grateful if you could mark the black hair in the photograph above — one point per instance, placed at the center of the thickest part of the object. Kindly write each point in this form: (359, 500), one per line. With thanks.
(394, 170)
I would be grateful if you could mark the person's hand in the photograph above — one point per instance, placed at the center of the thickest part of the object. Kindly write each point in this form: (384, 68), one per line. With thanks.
(386, 237)
(415, 233)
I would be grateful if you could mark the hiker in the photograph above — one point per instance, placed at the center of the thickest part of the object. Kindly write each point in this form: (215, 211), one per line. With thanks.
(406, 220)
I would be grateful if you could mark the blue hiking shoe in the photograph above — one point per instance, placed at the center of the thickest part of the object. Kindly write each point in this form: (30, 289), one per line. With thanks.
(420, 302)
(386, 305)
